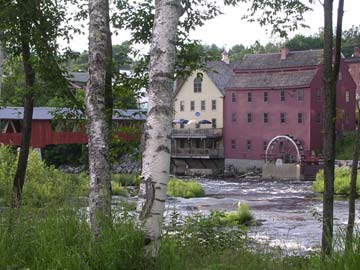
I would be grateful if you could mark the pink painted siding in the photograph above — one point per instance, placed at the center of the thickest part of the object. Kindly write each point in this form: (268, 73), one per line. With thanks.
(308, 132)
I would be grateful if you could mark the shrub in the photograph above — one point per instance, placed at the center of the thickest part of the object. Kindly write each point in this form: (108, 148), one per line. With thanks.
(241, 216)
(126, 179)
(117, 189)
(190, 189)
(341, 184)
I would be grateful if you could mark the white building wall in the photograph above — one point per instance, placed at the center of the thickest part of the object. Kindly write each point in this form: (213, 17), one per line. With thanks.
(209, 92)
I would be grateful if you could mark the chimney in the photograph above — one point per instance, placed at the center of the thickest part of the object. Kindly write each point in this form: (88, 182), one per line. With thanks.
(284, 52)
(356, 52)
(225, 57)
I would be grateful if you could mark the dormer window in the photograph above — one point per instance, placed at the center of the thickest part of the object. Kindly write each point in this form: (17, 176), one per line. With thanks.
(197, 85)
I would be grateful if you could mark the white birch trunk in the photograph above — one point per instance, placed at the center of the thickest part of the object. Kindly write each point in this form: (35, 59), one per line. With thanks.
(157, 132)
(97, 126)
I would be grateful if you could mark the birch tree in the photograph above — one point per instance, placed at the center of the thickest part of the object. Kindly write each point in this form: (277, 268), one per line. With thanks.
(157, 133)
(97, 126)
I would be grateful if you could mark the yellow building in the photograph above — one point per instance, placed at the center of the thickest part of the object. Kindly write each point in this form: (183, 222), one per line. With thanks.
(197, 146)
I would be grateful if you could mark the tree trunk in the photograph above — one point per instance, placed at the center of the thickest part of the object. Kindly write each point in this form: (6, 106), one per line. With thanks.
(29, 72)
(329, 131)
(98, 132)
(330, 76)
(157, 132)
(352, 196)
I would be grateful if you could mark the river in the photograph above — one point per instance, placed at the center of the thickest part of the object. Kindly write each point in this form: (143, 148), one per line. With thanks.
(289, 211)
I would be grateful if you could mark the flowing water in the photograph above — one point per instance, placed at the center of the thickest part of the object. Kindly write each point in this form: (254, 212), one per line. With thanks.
(288, 210)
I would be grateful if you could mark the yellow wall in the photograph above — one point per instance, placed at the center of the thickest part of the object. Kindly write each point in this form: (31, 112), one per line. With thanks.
(208, 93)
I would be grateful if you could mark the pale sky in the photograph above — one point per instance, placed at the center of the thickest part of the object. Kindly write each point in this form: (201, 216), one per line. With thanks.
(228, 29)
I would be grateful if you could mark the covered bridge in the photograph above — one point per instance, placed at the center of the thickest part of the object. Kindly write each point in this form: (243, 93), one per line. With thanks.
(62, 126)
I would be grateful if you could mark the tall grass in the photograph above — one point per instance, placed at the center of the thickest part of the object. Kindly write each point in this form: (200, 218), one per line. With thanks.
(188, 189)
(341, 184)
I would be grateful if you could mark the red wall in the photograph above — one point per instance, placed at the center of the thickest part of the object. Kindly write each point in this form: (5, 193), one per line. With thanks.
(42, 135)
(309, 132)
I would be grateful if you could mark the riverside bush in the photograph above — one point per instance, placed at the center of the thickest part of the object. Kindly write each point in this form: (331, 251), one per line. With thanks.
(341, 184)
(241, 216)
(43, 184)
(189, 189)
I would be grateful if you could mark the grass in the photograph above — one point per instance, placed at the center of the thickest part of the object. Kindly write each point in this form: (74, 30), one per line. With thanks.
(126, 179)
(188, 189)
(60, 238)
(341, 184)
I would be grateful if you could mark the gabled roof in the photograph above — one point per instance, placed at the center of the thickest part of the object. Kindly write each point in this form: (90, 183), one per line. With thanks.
(352, 60)
(299, 78)
(219, 73)
(78, 77)
(48, 113)
(274, 61)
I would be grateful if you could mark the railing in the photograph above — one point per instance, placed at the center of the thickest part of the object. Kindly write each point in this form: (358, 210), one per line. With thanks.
(209, 152)
(194, 132)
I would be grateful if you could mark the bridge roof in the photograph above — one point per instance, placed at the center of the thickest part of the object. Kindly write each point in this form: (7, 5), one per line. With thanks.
(48, 113)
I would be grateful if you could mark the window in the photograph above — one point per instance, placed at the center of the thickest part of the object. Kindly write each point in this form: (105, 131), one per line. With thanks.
(213, 123)
(192, 105)
(264, 145)
(249, 118)
(266, 96)
(249, 94)
(340, 76)
(197, 85)
(282, 95)
(248, 145)
(282, 117)
(266, 118)
(233, 144)
(300, 118)
(318, 93)
(182, 143)
(300, 95)
(203, 105)
(182, 106)
(347, 96)
(347, 118)
(233, 97)
(318, 118)
(233, 117)
(213, 104)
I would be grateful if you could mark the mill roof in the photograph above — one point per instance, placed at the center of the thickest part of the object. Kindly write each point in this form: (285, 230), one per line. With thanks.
(298, 78)
(48, 113)
(274, 61)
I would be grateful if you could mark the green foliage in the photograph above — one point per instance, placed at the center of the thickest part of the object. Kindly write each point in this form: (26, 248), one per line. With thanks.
(46, 185)
(345, 146)
(126, 179)
(117, 189)
(69, 154)
(189, 189)
(241, 216)
(341, 184)
(60, 238)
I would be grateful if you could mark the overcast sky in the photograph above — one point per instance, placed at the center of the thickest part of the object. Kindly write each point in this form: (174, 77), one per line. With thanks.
(228, 29)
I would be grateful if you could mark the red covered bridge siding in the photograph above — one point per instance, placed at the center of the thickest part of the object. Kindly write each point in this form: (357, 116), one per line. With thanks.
(49, 130)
